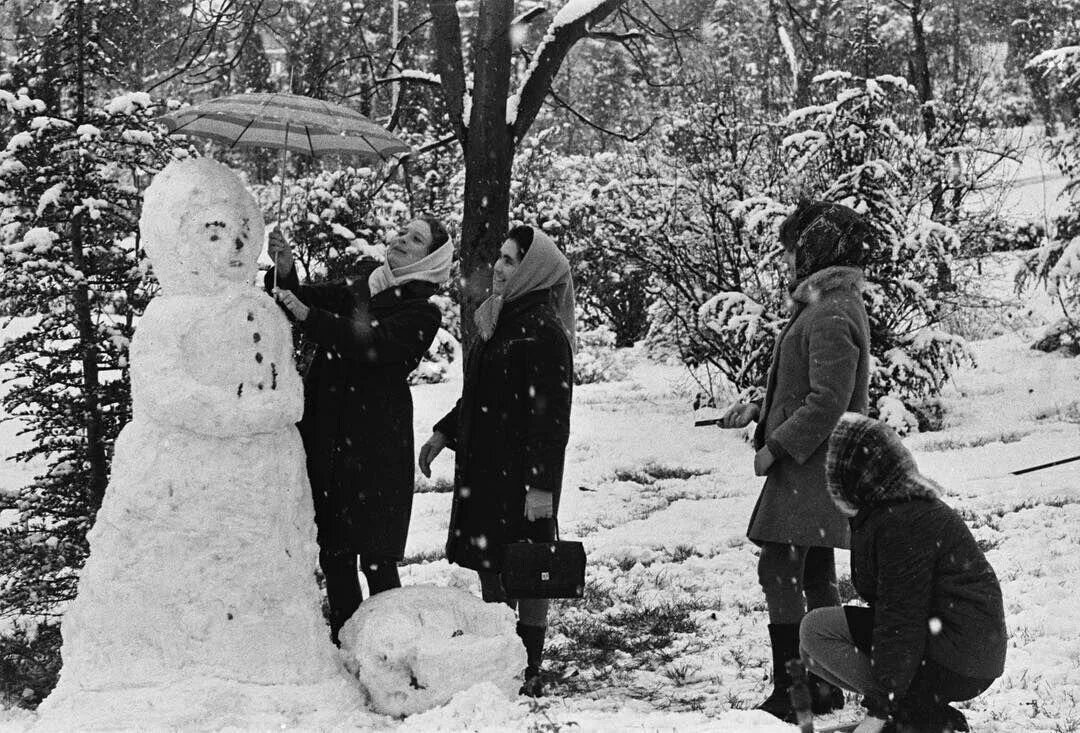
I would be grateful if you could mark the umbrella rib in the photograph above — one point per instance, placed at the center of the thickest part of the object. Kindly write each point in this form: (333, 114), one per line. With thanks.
(249, 124)
(375, 149)
(311, 145)
(189, 122)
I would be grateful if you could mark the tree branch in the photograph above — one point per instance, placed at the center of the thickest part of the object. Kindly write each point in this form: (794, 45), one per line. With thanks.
(628, 137)
(548, 59)
(449, 63)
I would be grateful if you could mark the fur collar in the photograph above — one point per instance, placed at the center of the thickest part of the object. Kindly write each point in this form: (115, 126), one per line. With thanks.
(825, 281)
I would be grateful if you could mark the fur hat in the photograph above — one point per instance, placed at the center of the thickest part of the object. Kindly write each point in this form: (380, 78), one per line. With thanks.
(823, 234)
(868, 464)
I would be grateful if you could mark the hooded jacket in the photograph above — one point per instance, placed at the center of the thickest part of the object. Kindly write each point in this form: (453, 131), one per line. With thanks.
(916, 563)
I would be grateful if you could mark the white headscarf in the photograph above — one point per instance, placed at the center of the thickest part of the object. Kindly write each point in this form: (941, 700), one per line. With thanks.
(434, 268)
(543, 267)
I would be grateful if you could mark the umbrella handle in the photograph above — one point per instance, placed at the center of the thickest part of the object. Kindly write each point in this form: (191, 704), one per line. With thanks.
(281, 194)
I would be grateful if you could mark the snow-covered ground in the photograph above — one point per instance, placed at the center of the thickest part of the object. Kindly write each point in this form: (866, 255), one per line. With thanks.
(672, 634)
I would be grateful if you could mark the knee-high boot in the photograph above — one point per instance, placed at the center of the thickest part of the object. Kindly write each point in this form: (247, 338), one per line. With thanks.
(784, 639)
(533, 639)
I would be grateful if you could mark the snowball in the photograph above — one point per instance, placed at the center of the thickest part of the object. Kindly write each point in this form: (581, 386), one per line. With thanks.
(414, 648)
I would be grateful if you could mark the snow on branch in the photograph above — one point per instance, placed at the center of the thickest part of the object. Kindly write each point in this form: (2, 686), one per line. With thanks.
(573, 22)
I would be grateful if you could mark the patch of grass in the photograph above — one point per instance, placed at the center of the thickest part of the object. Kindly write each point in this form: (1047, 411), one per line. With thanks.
(605, 631)
(423, 557)
(977, 441)
(846, 589)
(650, 473)
(436, 486)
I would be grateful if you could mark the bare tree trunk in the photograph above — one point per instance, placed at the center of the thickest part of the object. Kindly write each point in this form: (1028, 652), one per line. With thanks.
(84, 322)
(920, 63)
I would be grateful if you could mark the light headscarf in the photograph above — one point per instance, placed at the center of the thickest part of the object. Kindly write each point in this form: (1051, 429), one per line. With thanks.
(543, 267)
(434, 268)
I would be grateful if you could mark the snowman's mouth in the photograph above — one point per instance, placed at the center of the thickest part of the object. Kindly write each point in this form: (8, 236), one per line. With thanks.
(235, 263)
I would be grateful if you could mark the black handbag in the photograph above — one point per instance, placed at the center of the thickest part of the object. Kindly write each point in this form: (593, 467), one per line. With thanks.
(544, 569)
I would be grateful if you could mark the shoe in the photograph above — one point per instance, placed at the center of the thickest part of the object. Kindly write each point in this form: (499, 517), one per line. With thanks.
(955, 721)
(824, 697)
(784, 639)
(534, 683)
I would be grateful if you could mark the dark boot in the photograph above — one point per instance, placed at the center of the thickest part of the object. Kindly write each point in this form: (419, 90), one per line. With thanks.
(928, 717)
(784, 639)
(824, 697)
(533, 639)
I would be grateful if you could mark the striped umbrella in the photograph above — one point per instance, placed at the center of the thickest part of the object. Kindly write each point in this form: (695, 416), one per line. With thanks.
(286, 122)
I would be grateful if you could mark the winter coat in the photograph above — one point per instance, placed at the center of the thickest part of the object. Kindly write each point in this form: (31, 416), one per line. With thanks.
(914, 560)
(820, 369)
(509, 430)
(358, 412)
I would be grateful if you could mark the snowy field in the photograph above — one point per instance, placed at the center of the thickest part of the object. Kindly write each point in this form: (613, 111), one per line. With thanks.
(672, 634)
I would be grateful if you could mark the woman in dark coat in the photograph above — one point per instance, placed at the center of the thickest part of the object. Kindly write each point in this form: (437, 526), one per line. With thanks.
(510, 428)
(935, 628)
(820, 369)
(358, 413)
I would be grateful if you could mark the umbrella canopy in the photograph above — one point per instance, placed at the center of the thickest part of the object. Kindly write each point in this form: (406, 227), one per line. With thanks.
(285, 122)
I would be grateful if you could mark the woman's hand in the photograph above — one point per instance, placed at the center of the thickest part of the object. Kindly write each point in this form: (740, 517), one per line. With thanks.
(763, 461)
(740, 415)
(433, 447)
(293, 304)
(870, 724)
(280, 252)
(539, 505)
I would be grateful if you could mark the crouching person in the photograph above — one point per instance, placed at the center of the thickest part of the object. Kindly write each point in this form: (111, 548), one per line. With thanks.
(935, 628)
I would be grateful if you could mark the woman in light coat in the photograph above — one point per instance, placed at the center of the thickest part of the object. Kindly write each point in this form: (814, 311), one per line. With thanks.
(820, 369)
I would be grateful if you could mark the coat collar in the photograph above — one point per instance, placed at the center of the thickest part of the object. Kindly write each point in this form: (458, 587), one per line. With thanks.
(824, 281)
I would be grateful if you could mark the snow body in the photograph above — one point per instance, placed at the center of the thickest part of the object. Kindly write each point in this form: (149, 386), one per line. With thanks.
(199, 593)
(415, 648)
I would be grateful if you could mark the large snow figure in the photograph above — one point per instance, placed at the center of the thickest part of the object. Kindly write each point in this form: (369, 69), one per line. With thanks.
(199, 596)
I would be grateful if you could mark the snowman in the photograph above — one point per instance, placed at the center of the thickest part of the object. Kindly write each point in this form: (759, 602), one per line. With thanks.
(199, 593)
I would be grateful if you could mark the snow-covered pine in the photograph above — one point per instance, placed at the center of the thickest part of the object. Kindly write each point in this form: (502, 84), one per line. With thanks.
(1056, 264)
(70, 260)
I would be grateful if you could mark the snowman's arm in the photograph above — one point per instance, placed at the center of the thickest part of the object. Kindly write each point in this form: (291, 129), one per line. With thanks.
(402, 337)
(167, 391)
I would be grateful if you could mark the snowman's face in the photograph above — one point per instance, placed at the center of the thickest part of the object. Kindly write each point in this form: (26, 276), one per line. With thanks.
(223, 240)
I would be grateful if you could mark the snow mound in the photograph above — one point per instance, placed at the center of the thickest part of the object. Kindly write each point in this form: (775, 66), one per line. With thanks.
(413, 649)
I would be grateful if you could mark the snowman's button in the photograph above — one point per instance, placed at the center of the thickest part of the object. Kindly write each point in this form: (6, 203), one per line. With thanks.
(256, 337)
(251, 316)
(258, 358)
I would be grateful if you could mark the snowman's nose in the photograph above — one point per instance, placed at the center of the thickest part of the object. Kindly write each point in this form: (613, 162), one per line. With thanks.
(239, 244)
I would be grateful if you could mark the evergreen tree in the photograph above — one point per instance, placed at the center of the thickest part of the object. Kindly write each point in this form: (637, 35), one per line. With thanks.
(69, 179)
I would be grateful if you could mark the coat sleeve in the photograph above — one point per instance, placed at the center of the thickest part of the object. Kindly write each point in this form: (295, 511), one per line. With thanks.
(448, 425)
(904, 583)
(549, 377)
(333, 297)
(833, 362)
(400, 337)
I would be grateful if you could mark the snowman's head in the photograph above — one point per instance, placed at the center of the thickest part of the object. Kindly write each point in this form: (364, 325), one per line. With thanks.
(201, 227)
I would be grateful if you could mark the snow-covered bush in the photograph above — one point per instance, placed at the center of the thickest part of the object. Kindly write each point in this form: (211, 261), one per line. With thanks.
(863, 149)
(597, 358)
(559, 194)
(702, 219)
(1056, 264)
